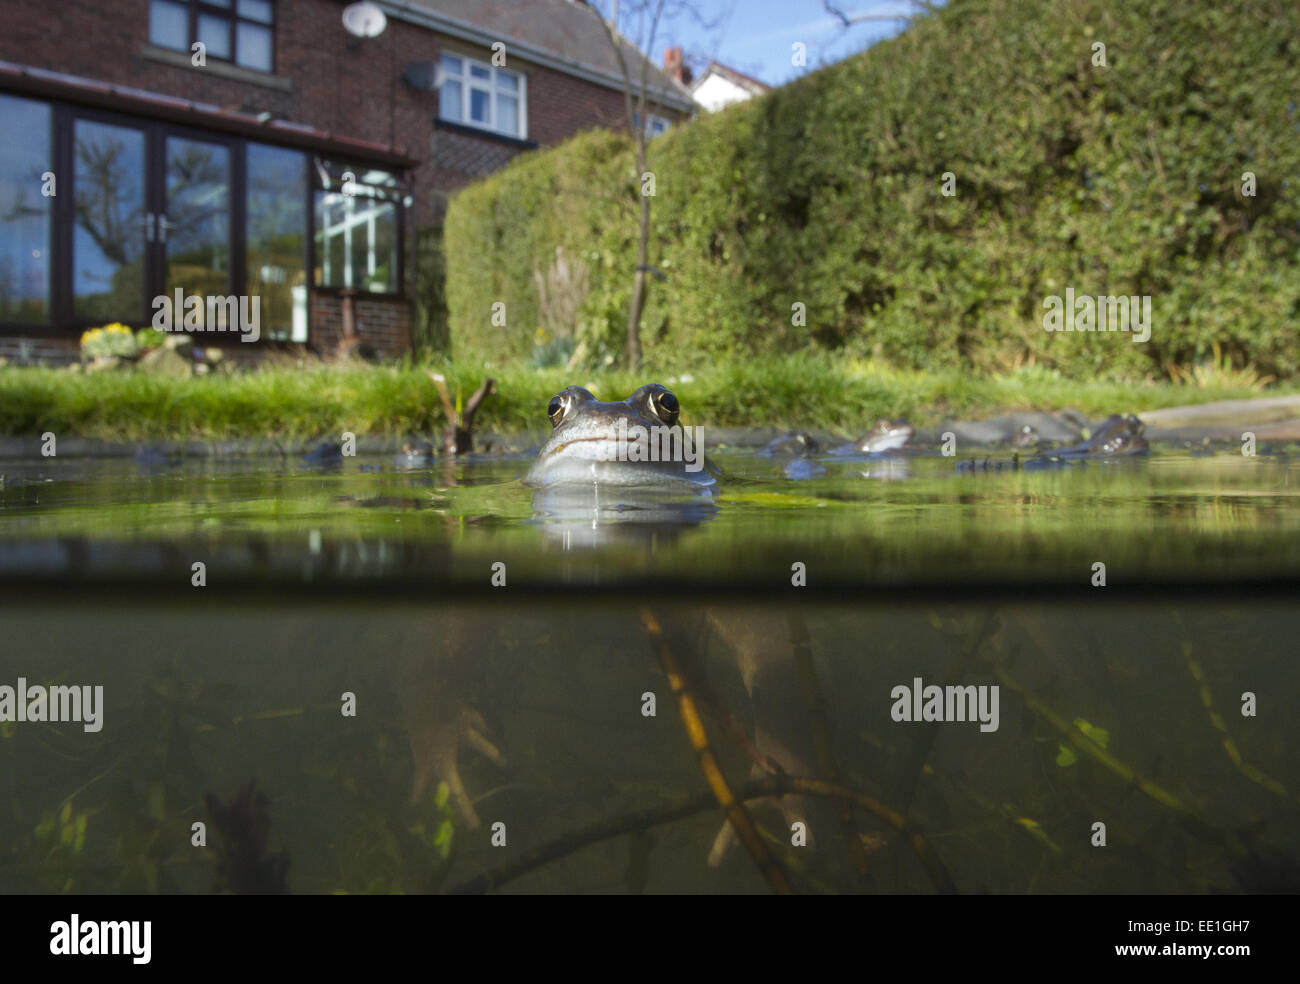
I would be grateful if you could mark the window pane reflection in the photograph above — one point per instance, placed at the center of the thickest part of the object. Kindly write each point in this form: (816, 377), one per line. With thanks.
(198, 218)
(254, 46)
(24, 211)
(108, 241)
(277, 239)
(169, 24)
(356, 230)
(214, 32)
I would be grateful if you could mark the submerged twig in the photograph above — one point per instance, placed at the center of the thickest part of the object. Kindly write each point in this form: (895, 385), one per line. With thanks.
(737, 815)
(459, 436)
(602, 830)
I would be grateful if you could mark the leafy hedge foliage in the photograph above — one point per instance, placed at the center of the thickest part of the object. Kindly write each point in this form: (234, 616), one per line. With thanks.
(1123, 179)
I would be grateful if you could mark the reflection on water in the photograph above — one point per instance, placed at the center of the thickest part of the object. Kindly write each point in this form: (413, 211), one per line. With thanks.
(565, 727)
(583, 516)
(869, 521)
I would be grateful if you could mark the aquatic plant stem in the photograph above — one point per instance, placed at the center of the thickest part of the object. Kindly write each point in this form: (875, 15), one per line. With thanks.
(1248, 770)
(1081, 742)
(815, 700)
(735, 811)
(925, 747)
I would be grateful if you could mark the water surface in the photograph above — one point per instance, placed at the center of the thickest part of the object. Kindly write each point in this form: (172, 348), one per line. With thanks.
(1119, 704)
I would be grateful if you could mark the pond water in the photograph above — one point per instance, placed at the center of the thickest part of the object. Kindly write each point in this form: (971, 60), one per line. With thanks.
(414, 664)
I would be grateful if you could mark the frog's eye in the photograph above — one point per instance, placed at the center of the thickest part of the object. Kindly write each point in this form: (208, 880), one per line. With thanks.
(666, 406)
(555, 410)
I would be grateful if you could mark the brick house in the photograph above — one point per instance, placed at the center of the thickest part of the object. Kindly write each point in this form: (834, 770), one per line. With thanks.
(260, 148)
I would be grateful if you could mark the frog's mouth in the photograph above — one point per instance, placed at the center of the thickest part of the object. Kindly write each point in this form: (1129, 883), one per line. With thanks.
(609, 461)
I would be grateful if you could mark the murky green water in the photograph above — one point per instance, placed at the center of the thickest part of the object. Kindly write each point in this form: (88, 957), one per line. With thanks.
(350, 653)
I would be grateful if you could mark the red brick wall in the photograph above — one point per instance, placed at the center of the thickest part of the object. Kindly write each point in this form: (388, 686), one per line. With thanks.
(46, 351)
(383, 324)
(337, 84)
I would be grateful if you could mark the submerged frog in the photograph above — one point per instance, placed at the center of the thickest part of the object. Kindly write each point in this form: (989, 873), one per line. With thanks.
(1117, 436)
(1026, 437)
(794, 445)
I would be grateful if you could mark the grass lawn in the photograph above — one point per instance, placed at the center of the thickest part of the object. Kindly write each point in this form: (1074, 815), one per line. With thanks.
(809, 392)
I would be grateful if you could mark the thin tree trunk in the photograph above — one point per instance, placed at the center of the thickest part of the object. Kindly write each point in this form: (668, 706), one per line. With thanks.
(636, 121)
(632, 352)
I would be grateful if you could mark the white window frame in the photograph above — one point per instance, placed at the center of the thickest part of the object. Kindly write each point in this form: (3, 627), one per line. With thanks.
(490, 84)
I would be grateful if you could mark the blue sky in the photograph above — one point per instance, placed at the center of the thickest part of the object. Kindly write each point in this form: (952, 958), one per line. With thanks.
(755, 36)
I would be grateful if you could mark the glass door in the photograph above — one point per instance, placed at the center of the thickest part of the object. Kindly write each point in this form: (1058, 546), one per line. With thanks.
(152, 214)
(112, 223)
(195, 225)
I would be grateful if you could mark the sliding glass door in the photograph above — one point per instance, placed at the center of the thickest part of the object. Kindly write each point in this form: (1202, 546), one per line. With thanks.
(28, 185)
(112, 221)
(151, 214)
(102, 213)
(194, 228)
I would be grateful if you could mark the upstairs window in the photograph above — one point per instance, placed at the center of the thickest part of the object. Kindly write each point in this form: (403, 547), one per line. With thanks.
(239, 31)
(481, 95)
(654, 125)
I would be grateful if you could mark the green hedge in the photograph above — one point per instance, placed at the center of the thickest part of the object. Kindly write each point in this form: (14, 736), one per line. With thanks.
(1124, 179)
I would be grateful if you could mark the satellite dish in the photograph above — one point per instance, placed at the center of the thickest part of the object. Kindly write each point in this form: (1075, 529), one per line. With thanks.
(364, 20)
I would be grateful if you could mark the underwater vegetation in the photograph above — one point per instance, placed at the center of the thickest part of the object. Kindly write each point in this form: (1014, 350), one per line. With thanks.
(241, 827)
(1195, 796)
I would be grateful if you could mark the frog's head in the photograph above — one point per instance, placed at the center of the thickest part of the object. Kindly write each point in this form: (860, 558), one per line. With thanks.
(633, 442)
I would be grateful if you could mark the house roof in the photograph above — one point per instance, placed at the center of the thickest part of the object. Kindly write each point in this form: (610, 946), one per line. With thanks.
(746, 82)
(567, 35)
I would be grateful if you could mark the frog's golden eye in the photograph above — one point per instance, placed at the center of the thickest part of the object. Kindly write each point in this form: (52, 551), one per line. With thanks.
(667, 407)
(555, 410)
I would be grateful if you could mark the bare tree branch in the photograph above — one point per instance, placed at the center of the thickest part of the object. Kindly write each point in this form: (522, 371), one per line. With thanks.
(848, 20)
